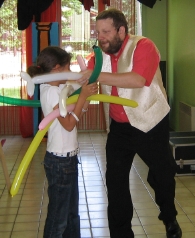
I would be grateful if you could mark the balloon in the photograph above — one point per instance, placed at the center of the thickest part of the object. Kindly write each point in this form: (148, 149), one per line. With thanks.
(44, 78)
(20, 102)
(97, 68)
(99, 97)
(98, 64)
(54, 114)
(26, 160)
(62, 100)
(93, 78)
(113, 99)
(105, 98)
(81, 62)
(40, 134)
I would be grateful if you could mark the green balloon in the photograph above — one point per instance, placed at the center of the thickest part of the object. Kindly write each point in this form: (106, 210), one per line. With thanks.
(97, 68)
(20, 102)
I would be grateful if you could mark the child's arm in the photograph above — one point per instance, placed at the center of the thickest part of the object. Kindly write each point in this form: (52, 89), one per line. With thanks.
(71, 119)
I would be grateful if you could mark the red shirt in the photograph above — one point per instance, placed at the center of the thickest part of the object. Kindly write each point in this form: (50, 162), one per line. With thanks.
(145, 63)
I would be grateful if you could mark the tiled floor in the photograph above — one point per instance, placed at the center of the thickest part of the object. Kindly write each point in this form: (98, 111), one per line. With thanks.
(23, 215)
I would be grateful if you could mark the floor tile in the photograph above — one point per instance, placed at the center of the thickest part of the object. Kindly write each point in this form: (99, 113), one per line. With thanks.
(24, 214)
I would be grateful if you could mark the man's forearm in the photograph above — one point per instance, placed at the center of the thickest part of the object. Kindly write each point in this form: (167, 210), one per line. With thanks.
(122, 80)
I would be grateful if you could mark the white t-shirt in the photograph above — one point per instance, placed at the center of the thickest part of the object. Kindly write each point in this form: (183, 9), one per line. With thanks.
(59, 140)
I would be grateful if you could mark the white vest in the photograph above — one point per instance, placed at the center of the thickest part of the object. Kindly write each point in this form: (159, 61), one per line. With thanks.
(152, 100)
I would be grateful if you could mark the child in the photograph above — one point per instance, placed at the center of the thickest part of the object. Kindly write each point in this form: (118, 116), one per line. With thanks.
(61, 162)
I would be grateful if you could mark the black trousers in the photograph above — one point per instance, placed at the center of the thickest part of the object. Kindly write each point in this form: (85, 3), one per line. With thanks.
(123, 142)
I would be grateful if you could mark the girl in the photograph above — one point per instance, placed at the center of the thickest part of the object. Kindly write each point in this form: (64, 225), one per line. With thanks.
(61, 162)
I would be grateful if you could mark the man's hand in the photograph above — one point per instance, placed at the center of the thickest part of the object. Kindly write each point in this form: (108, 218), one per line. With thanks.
(86, 75)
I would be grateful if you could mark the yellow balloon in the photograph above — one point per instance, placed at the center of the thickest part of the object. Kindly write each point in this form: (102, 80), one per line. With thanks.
(27, 159)
(105, 98)
(113, 99)
(40, 134)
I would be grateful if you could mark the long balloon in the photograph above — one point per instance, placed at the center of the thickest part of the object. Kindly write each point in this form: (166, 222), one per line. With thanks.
(40, 134)
(99, 97)
(44, 78)
(26, 160)
(52, 115)
(81, 62)
(62, 100)
(92, 79)
(97, 68)
(20, 102)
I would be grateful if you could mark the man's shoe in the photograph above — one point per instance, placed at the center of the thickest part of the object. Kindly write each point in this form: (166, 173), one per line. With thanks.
(173, 229)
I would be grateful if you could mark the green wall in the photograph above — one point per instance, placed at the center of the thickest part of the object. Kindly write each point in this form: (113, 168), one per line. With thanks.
(171, 25)
(181, 55)
(154, 25)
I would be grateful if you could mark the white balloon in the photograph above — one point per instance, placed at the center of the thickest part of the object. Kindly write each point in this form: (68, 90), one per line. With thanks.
(67, 90)
(30, 84)
(46, 78)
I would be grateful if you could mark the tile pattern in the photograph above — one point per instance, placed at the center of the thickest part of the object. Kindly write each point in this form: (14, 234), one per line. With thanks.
(24, 214)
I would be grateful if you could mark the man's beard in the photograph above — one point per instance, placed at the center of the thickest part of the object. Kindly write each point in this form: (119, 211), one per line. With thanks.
(114, 46)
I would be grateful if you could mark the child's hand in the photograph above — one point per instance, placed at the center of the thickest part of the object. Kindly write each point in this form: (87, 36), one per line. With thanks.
(89, 89)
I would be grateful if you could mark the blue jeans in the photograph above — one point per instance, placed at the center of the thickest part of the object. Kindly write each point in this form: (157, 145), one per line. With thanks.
(62, 219)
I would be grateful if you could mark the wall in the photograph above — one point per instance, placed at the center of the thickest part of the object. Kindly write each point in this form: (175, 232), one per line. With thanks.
(154, 25)
(170, 24)
(181, 55)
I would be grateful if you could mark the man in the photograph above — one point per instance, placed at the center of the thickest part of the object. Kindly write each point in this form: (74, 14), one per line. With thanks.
(131, 70)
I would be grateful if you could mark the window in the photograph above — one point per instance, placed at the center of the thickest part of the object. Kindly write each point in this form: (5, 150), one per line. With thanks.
(12, 53)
